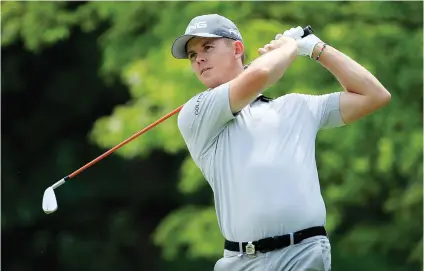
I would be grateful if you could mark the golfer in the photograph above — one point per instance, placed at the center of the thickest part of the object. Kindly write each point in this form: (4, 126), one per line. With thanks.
(257, 153)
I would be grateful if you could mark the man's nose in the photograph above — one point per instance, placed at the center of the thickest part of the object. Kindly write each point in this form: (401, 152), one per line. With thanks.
(200, 58)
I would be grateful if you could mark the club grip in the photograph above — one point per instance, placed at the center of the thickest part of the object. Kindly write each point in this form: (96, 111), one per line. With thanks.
(307, 31)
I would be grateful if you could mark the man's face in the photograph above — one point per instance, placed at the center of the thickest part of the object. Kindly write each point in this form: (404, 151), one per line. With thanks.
(213, 60)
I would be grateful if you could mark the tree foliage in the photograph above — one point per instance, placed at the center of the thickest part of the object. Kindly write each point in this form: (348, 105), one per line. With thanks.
(370, 171)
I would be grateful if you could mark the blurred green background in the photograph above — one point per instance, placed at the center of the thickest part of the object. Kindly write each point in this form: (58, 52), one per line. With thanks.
(80, 77)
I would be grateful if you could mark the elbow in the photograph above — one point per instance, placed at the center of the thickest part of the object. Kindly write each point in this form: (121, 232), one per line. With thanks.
(384, 98)
(379, 100)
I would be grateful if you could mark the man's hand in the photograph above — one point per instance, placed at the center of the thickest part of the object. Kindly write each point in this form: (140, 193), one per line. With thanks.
(277, 43)
(306, 45)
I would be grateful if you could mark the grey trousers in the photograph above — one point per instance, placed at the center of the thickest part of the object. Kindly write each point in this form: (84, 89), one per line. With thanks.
(312, 254)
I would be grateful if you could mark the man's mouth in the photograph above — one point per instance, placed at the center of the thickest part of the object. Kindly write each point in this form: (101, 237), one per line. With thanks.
(203, 70)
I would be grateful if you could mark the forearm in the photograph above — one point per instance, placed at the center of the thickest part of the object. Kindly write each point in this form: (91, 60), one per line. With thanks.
(276, 62)
(351, 75)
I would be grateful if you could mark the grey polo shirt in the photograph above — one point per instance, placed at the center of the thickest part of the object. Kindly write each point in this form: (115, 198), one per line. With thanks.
(260, 163)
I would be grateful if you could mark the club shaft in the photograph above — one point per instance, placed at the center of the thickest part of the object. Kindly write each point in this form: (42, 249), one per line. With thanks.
(170, 114)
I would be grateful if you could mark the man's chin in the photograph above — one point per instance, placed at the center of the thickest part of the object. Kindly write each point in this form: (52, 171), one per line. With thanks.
(210, 83)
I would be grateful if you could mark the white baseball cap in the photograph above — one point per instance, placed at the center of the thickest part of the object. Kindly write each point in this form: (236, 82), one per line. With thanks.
(206, 26)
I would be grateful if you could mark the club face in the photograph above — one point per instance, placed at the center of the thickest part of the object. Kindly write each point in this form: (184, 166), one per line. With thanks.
(49, 201)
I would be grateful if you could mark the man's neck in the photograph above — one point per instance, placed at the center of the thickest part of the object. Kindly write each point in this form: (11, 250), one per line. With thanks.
(235, 72)
(231, 75)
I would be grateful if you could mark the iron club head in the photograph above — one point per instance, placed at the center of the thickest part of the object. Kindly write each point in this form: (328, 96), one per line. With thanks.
(49, 201)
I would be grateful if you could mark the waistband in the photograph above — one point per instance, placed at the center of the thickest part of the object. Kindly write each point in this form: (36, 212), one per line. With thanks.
(276, 242)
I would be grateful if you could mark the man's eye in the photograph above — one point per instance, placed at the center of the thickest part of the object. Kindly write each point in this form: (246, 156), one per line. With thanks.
(208, 47)
(191, 56)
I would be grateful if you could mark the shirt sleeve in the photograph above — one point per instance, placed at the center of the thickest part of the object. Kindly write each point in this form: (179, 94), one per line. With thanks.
(203, 117)
(325, 109)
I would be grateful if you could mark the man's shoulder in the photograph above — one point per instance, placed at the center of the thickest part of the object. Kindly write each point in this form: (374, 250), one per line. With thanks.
(190, 110)
(193, 104)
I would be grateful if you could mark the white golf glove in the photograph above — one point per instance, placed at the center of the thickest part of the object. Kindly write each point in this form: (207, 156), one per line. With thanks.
(306, 45)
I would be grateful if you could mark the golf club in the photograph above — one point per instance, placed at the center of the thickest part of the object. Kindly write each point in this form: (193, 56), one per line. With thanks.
(49, 198)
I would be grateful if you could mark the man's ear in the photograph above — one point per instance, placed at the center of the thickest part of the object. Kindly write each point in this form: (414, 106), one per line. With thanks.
(238, 49)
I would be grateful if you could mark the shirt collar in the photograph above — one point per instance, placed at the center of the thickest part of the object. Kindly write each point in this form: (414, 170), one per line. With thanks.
(263, 98)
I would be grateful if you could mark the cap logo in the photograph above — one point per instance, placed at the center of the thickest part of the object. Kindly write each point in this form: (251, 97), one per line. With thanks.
(192, 27)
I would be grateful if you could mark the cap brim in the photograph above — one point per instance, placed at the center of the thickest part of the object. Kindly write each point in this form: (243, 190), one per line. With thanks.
(179, 46)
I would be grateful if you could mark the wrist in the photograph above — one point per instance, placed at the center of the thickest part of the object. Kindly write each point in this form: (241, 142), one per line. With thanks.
(290, 46)
(288, 41)
(317, 49)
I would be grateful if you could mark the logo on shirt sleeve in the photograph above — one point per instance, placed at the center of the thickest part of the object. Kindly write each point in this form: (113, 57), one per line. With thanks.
(197, 105)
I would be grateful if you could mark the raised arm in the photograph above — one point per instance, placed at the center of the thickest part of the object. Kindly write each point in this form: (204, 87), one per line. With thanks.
(363, 94)
(262, 73)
